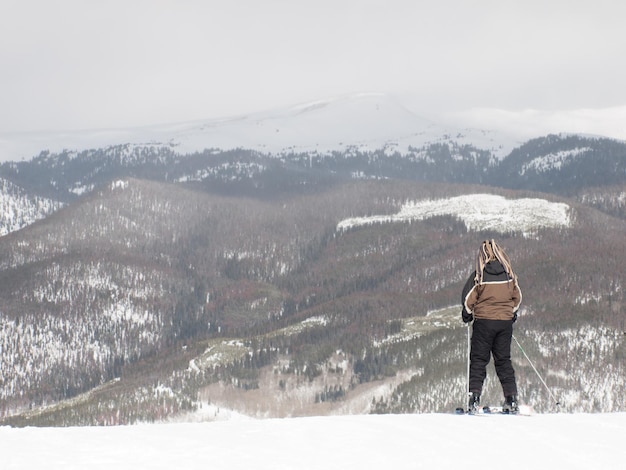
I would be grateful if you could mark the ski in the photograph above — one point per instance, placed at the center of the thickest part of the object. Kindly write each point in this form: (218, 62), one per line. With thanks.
(494, 411)
(523, 410)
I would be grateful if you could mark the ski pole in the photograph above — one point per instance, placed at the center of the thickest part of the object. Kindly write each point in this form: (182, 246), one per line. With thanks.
(464, 409)
(467, 377)
(536, 372)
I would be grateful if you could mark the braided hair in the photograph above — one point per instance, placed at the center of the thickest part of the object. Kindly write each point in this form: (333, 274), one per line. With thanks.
(490, 251)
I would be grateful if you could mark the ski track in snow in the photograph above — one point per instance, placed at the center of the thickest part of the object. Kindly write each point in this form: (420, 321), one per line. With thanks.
(428, 441)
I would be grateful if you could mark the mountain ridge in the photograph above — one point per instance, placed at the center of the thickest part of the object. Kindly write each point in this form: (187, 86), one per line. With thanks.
(177, 297)
(369, 120)
(161, 281)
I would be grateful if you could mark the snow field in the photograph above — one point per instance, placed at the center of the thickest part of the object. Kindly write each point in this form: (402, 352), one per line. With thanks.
(428, 441)
(479, 212)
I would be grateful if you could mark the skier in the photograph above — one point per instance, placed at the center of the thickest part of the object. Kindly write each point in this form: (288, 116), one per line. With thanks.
(491, 298)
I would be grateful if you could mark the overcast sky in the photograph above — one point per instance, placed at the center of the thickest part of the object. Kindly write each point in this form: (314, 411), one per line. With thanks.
(79, 64)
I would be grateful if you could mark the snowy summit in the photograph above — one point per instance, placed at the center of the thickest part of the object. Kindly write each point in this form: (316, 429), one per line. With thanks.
(368, 121)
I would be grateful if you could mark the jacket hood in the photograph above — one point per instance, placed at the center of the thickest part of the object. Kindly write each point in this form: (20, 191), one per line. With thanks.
(494, 268)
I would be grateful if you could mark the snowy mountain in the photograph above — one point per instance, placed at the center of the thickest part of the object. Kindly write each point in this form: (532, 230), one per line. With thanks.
(563, 165)
(301, 262)
(365, 136)
(143, 300)
(365, 121)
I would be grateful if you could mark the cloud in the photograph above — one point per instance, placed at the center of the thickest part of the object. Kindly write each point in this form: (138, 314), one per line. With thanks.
(529, 123)
(71, 64)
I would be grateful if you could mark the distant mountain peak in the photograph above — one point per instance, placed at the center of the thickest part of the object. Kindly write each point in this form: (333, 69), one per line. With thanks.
(369, 121)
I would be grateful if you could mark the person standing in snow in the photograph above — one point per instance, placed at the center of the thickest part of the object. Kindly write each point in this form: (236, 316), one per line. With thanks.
(491, 298)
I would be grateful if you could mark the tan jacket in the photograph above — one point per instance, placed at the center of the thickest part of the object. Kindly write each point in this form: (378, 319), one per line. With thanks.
(498, 297)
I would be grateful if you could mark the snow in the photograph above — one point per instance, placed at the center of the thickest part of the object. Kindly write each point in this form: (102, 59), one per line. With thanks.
(553, 161)
(367, 121)
(478, 212)
(18, 209)
(428, 441)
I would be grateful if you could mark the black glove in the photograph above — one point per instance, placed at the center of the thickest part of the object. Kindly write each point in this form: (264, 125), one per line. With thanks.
(467, 317)
(514, 317)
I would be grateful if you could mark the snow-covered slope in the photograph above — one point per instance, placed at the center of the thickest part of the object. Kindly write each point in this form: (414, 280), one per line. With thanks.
(17, 209)
(573, 442)
(365, 120)
(479, 212)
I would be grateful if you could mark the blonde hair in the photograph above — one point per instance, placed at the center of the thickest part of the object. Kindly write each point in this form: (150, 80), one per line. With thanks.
(490, 251)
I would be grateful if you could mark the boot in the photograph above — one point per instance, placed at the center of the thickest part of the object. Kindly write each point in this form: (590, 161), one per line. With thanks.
(510, 405)
(474, 402)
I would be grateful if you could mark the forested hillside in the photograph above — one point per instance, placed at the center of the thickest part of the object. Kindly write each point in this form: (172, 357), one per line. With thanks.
(564, 165)
(144, 299)
(19, 208)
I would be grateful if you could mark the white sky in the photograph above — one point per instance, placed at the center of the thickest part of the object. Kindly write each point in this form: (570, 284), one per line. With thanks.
(80, 64)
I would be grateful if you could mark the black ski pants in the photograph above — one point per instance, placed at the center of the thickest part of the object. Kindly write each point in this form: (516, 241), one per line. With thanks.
(492, 337)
